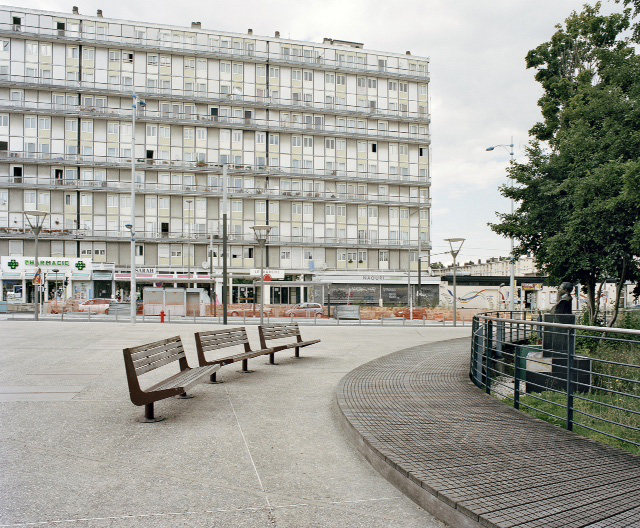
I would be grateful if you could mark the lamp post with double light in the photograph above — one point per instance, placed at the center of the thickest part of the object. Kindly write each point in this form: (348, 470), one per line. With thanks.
(189, 202)
(512, 268)
(261, 233)
(456, 245)
(35, 219)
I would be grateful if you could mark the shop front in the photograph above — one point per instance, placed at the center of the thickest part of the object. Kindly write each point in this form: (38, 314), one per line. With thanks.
(63, 278)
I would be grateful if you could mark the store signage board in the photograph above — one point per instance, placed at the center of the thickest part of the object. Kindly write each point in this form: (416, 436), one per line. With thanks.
(47, 264)
(275, 273)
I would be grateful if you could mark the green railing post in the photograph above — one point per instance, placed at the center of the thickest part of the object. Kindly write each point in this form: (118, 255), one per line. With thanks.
(488, 355)
(571, 349)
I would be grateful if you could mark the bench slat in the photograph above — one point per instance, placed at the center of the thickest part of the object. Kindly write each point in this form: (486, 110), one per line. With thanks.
(142, 369)
(154, 355)
(206, 346)
(152, 348)
(185, 379)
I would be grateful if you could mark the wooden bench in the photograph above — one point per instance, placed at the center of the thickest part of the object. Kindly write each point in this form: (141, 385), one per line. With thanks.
(145, 358)
(219, 339)
(274, 331)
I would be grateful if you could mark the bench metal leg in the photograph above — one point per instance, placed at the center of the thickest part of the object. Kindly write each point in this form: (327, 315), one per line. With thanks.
(213, 378)
(184, 396)
(149, 416)
(245, 367)
(297, 353)
(272, 359)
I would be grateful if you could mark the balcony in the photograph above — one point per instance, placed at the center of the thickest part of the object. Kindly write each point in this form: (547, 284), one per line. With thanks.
(187, 47)
(202, 167)
(245, 239)
(205, 120)
(213, 191)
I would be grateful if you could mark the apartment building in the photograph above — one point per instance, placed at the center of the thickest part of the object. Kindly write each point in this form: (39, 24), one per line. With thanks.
(326, 142)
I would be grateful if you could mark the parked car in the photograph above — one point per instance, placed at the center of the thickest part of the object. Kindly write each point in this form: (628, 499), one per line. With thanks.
(305, 310)
(96, 306)
(249, 312)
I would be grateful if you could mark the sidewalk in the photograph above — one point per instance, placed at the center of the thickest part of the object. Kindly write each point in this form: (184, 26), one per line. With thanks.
(260, 450)
(474, 461)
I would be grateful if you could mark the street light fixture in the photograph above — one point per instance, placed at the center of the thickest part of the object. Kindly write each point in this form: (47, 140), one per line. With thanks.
(35, 219)
(261, 233)
(512, 268)
(132, 286)
(456, 245)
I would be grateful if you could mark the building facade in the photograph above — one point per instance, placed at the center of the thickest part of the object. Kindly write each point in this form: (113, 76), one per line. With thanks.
(327, 143)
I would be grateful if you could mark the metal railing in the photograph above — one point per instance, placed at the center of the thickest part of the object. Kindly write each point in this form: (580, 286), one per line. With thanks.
(208, 167)
(584, 378)
(188, 41)
(314, 126)
(200, 95)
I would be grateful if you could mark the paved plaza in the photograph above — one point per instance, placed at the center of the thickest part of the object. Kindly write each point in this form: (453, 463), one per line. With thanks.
(262, 449)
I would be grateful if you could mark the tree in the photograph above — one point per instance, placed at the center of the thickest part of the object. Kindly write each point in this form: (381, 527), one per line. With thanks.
(578, 209)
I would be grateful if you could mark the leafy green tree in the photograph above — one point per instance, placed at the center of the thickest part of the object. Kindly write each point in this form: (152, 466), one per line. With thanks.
(577, 193)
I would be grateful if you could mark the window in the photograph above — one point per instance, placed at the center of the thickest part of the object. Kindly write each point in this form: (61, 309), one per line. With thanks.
(88, 53)
(188, 133)
(296, 141)
(87, 126)
(404, 214)
(383, 255)
(152, 131)
(362, 146)
(308, 75)
(308, 141)
(71, 125)
(201, 133)
(274, 139)
(404, 87)
(152, 60)
(225, 67)
(238, 68)
(341, 80)
(404, 150)
(127, 57)
(261, 71)
(330, 143)
(30, 122)
(86, 199)
(341, 210)
(274, 72)
(114, 56)
(372, 83)
(73, 52)
(362, 212)
(113, 128)
(44, 123)
(285, 255)
(165, 132)
(190, 63)
(165, 60)
(45, 50)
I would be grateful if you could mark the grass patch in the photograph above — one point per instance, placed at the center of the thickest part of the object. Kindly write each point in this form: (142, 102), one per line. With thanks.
(590, 405)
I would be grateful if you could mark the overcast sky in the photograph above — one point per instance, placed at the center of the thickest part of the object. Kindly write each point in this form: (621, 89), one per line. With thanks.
(481, 92)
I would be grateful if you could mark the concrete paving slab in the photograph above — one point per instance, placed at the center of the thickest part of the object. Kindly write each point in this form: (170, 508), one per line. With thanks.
(260, 449)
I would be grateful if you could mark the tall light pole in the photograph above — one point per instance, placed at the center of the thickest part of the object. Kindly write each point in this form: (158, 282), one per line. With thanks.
(225, 243)
(189, 243)
(456, 245)
(512, 268)
(134, 110)
(132, 287)
(36, 221)
(261, 233)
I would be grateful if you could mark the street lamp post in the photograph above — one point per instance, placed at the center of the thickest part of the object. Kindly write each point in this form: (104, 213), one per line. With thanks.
(512, 267)
(132, 287)
(35, 220)
(189, 243)
(261, 233)
(456, 245)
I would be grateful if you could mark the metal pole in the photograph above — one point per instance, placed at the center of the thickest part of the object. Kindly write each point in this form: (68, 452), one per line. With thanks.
(512, 270)
(225, 278)
(189, 245)
(36, 305)
(455, 294)
(134, 108)
(263, 245)
(211, 281)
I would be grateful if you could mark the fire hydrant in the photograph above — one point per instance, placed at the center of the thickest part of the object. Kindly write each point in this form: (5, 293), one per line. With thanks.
(162, 314)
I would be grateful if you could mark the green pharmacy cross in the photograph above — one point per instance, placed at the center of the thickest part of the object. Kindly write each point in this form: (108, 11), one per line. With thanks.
(13, 264)
(80, 265)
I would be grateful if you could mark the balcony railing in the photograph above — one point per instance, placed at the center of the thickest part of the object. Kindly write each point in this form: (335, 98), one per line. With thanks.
(204, 238)
(257, 193)
(205, 96)
(205, 120)
(145, 164)
(315, 59)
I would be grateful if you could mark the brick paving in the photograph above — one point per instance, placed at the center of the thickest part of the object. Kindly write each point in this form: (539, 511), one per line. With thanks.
(491, 465)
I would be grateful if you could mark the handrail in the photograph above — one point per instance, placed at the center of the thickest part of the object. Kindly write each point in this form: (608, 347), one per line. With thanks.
(587, 377)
